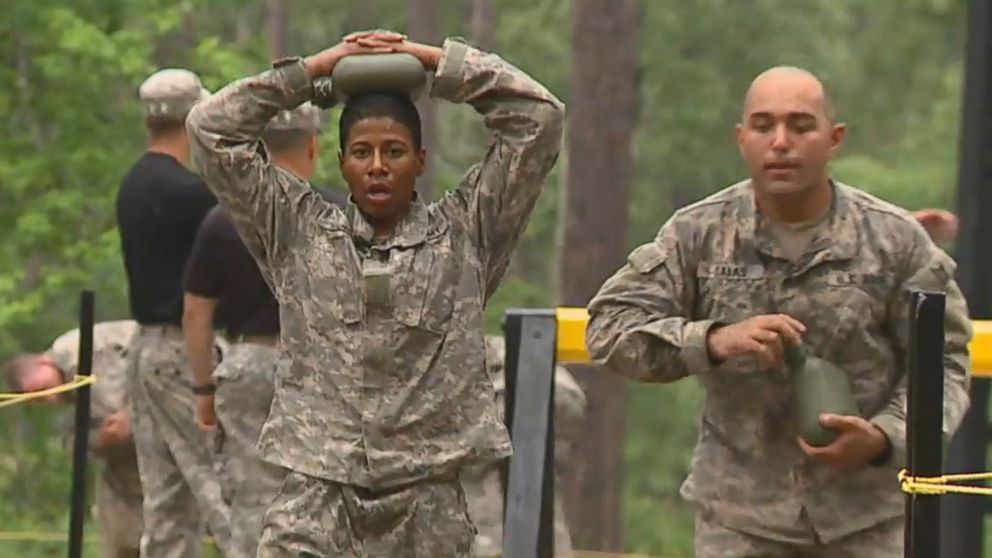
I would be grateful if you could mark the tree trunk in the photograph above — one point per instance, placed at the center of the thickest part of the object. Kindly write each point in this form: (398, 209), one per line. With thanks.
(276, 23)
(425, 27)
(603, 107)
(481, 23)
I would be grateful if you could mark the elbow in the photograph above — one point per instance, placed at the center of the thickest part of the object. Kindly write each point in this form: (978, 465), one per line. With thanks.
(194, 121)
(550, 118)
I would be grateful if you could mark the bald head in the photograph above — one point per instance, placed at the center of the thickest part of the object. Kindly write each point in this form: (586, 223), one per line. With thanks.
(788, 133)
(788, 83)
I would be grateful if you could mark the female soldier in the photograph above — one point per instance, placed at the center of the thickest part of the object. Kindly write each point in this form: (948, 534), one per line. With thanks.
(381, 395)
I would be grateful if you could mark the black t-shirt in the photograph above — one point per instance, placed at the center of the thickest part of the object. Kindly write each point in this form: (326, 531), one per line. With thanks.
(159, 207)
(222, 268)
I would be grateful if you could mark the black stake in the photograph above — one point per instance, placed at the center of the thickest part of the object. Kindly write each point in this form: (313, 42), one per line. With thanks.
(81, 438)
(925, 420)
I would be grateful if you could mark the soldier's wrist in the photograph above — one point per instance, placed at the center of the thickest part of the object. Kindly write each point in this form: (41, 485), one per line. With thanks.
(205, 389)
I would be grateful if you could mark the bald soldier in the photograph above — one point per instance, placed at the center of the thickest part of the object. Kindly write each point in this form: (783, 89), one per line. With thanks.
(483, 485)
(224, 287)
(788, 255)
(159, 208)
(118, 488)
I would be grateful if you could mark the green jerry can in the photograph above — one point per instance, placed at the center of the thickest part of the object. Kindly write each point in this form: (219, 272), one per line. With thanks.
(819, 387)
(395, 72)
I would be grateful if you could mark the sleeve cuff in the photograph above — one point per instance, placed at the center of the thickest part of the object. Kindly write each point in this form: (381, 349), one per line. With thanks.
(448, 77)
(694, 352)
(895, 431)
(296, 82)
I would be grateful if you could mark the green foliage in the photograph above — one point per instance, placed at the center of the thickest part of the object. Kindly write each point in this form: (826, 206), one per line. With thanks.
(73, 126)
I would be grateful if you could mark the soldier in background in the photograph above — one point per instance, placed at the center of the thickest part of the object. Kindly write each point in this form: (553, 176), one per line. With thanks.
(483, 483)
(118, 488)
(159, 208)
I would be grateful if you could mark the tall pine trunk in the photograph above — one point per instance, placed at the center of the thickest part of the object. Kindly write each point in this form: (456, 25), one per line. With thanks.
(602, 111)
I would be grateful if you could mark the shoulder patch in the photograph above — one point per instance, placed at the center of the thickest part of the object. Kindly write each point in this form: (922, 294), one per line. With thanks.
(647, 257)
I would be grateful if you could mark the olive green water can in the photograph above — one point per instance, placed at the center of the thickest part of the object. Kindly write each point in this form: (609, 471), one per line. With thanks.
(396, 72)
(819, 387)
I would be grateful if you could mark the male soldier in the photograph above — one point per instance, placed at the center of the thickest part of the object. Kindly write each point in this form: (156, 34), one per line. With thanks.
(118, 490)
(483, 484)
(788, 256)
(223, 280)
(159, 207)
(381, 393)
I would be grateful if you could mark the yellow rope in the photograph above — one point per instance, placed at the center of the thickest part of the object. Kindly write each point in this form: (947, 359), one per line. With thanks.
(8, 399)
(932, 486)
(52, 536)
(35, 536)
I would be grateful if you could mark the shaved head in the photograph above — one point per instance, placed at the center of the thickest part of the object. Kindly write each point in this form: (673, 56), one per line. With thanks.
(787, 134)
(789, 80)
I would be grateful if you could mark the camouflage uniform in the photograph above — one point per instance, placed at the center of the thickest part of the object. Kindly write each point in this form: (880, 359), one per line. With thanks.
(717, 261)
(483, 485)
(381, 393)
(178, 470)
(178, 475)
(118, 489)
(244, 394)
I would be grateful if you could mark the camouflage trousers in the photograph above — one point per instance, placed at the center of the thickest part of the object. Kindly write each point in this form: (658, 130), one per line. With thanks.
(317, 518)
(244, 393)
(120, 522)
(881, 541)
(182, 493)
(484, 491)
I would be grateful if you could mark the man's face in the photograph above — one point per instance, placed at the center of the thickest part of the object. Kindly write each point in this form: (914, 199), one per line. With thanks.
(381, 166)
(42, 374)
(786, 137)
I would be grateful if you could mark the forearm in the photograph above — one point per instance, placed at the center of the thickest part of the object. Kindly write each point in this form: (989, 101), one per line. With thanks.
(198, 332)
(637, 346)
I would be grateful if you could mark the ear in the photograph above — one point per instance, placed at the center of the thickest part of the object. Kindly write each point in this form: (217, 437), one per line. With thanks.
(312, 148)
(341, 160)
(421, 161)
(739, 135)
(837, 135)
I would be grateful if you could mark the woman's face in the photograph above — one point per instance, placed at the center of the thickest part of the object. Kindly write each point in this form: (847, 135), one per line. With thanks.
(381, 164)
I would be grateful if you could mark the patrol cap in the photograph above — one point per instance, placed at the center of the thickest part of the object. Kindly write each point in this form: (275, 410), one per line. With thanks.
(304, 118)
(171, 93)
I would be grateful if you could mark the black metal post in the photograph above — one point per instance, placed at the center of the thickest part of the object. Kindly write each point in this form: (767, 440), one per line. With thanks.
(963, 516)
(925, 420)
(531, 337)
(81, 438)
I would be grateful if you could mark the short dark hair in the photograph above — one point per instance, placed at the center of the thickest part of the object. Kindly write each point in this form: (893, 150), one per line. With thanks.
(283, 141)
(162, 125)
(380, 105)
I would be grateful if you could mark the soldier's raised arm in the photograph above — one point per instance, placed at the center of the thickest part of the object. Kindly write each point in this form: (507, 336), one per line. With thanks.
(269, 205)
(496, 197)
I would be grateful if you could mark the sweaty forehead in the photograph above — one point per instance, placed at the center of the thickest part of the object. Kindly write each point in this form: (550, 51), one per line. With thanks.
(379, 129)
(784, 93)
